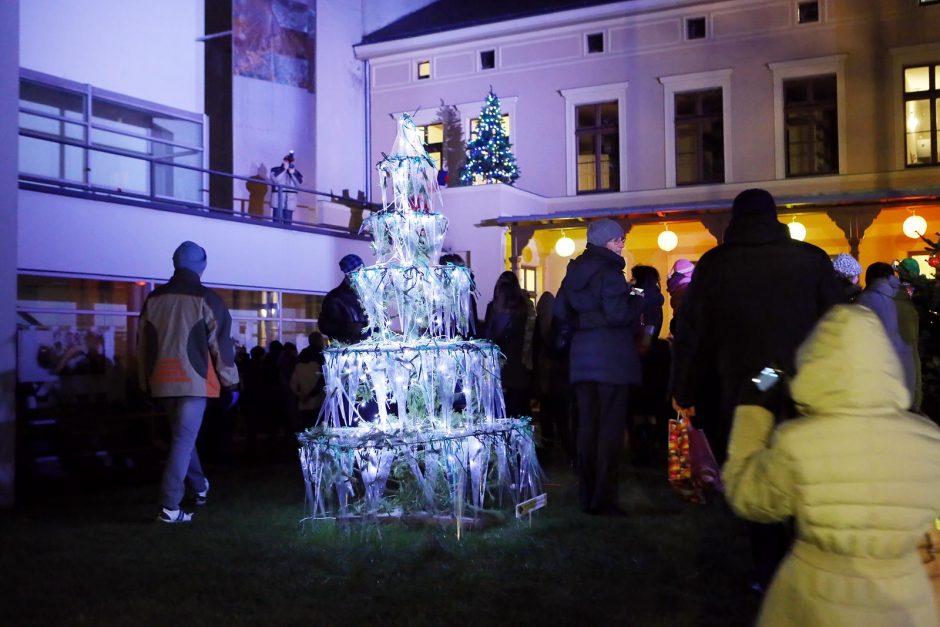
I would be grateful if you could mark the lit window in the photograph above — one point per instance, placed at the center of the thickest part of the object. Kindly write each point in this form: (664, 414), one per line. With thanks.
(528, 280)
(807, 12)
(595, 43)
(922, 114)
(487, 59)
(432, 136)
(424, 69)
(597, 134)
(699, 126)
(695, 28)
(811, 132)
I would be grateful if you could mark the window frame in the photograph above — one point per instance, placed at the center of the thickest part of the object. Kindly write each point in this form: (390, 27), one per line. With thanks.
(807, 68)
(932, 96)
(593, 95)
(89, 145)
(699, 81)
(903, 57)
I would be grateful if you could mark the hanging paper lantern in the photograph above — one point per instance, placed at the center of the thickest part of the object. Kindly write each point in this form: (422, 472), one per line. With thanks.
(797, 230)
(667, 240)
(914, 226)
(564, 246)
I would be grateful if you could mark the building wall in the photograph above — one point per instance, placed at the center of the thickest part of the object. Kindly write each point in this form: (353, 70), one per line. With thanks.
(9, 90)
(538, 58)
(144, 49)
(59, 234)
(341, 161)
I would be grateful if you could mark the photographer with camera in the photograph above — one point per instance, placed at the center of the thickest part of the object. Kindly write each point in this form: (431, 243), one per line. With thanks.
(286, 178)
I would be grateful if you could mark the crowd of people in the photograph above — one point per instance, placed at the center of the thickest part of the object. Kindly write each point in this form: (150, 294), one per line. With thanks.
(834, 466)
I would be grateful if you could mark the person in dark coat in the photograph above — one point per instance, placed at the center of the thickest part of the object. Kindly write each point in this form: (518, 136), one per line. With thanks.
(510, 323)
(342, 317)
(648, 402)
(752, 301)
(594, 296)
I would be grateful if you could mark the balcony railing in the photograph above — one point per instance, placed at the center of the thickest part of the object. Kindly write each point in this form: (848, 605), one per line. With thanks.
(159, 182)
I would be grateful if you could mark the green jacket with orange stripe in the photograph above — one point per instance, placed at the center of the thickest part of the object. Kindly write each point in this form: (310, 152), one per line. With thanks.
(184, 343)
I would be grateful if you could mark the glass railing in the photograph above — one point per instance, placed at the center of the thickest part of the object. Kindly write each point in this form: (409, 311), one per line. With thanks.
(117, 167)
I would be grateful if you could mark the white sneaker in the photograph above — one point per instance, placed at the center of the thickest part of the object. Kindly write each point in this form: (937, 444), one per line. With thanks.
(172, 516)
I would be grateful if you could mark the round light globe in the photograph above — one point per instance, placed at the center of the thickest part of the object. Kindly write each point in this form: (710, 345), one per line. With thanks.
(667, 240)
(564, 246)
(914, 227)
(797, 230)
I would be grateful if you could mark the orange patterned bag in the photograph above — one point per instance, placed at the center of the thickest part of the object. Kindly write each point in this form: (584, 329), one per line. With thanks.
(692, 466)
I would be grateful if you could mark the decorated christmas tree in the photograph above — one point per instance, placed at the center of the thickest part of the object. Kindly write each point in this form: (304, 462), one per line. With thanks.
(489, 154)
(414, 422)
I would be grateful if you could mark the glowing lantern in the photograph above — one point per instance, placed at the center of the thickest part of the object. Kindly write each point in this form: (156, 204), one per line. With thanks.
(797, 230)
(914, 226)
(564, 246)
(667, 240)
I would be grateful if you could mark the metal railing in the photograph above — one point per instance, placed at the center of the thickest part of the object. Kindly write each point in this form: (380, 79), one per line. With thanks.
(212, 182)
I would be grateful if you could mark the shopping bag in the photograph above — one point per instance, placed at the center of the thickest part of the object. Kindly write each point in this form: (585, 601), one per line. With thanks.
(692, 468)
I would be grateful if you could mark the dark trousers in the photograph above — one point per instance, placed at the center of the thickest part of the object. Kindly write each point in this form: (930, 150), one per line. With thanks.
(601, 408)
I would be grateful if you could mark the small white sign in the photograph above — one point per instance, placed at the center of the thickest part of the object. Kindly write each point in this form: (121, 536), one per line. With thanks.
(527, 507)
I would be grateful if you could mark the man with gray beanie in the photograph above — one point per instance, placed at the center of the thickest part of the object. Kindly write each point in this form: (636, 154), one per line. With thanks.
(185, 355)
(596, 300)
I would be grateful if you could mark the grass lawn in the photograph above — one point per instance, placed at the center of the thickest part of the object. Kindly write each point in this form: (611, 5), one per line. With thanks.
(96, 558)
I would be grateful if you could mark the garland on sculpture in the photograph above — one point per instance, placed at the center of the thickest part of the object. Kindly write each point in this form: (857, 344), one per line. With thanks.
(414, 419)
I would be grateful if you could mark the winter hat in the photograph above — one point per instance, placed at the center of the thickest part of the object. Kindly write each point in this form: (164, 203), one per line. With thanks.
(846, 266)
(908, 270)
(600, 232)
(681, 274)
(190, 256)
(350, 263)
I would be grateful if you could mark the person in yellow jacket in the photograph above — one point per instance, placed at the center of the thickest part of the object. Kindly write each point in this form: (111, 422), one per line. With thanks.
(858, 473)
(185, 355)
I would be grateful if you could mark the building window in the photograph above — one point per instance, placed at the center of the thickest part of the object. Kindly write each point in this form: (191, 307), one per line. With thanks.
(595, 128)
(811, 129)
(432, 136)
(699, 127)
(528, 280)
(595, 43)
(598, 139)
(922, 114)
(93, 138)
(807, 12)
(487, 59)
(424, 70)
(695, 28)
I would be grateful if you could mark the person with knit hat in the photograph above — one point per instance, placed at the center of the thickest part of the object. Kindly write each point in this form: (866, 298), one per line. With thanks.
(595, 298)
(185, 355)
(753, 299)
(342, 317)
(848, 270)
(676, 284)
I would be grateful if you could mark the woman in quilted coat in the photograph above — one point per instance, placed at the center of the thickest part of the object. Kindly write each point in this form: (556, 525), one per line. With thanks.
(859, 474)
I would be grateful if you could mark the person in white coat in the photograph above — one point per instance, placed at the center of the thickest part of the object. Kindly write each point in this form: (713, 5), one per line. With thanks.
(858, 473)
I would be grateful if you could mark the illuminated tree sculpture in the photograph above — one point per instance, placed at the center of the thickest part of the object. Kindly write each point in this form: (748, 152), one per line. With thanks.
(414, 422)
(489, 154)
